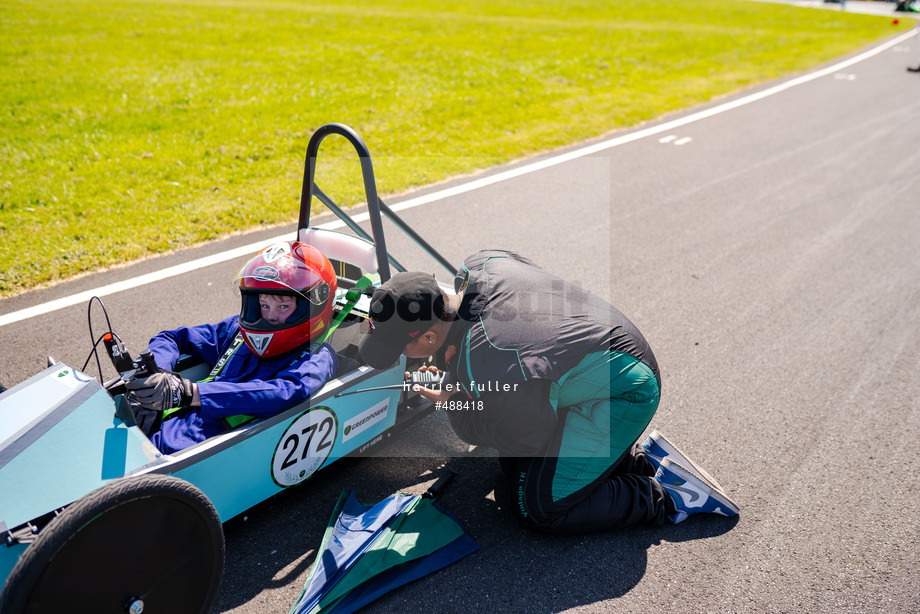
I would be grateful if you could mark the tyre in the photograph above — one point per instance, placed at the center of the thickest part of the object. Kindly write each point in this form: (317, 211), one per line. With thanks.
(149, 544)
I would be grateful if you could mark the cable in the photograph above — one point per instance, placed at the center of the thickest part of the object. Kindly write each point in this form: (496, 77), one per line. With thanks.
(95, 344)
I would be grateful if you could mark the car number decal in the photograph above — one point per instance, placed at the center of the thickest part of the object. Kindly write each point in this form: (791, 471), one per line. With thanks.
(304, 446)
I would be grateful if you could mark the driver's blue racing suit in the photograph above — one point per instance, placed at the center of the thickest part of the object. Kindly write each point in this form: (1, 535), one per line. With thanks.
(247, 384)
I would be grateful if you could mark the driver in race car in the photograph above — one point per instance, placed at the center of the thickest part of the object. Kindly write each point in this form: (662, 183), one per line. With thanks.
(557, 380)
(262, 361)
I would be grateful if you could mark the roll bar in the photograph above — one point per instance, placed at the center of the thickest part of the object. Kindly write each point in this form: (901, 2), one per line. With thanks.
(375, 206)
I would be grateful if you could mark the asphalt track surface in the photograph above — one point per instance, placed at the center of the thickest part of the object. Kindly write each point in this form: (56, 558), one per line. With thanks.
(769, 254)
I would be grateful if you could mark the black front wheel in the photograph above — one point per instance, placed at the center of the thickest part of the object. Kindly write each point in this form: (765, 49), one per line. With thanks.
(147, 544)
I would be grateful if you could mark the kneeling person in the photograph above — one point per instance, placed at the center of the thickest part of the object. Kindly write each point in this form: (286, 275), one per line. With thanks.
(557, 380)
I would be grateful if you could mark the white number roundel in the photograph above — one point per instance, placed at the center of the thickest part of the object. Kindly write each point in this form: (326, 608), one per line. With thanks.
(304, 447)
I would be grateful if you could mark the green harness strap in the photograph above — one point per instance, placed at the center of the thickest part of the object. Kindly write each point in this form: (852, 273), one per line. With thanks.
(231, 421)
(351, 299)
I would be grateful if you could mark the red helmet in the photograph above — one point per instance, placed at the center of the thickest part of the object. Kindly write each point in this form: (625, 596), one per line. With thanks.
(290, 269)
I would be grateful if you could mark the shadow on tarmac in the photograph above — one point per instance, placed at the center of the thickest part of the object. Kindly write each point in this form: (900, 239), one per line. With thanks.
(272, 546)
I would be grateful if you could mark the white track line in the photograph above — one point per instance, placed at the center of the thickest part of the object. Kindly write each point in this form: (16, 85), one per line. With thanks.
(82, 297)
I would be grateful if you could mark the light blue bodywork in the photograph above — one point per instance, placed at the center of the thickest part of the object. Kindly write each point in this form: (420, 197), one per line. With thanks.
(61, 438)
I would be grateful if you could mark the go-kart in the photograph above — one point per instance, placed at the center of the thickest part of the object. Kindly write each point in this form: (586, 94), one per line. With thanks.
(77, 475)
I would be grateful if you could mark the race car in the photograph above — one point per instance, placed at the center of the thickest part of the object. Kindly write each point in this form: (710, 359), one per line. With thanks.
(95, 519)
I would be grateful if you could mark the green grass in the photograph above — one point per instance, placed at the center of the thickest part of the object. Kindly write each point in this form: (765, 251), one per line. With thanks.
(133, 127)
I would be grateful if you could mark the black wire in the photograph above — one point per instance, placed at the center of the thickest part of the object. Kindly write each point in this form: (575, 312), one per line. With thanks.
(94, 351)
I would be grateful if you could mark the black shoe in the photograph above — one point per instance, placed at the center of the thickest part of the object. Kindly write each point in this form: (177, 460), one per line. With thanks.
(917, 69)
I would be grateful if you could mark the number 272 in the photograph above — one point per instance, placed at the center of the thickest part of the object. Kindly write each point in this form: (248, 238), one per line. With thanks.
(324, 428)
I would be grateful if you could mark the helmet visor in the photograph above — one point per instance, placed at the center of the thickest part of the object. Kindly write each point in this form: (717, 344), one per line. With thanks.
(269, 311)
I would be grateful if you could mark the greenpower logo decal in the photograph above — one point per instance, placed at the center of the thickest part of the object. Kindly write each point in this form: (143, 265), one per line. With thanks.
(304, 446)
(366, 419)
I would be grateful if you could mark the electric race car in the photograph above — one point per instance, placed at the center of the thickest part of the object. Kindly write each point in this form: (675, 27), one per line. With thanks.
(77, 475)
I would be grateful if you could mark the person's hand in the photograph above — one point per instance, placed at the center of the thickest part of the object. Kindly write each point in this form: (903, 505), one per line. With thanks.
(162, 391)
(430, 377)
(435, 395)
(439, 395)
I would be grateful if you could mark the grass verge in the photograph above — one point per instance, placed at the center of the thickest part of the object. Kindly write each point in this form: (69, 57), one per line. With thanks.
(133, 127)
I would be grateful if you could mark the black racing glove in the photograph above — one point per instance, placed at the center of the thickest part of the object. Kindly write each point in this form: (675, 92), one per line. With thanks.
(161, 391)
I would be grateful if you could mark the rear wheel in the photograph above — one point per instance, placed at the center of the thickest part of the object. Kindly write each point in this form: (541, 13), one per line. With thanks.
(146, 544)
